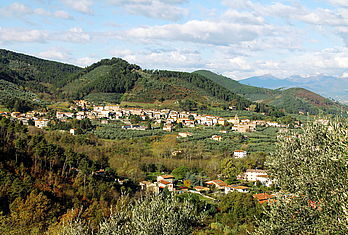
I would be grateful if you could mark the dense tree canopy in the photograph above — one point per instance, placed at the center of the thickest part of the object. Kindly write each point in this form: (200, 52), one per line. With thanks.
(311, 170)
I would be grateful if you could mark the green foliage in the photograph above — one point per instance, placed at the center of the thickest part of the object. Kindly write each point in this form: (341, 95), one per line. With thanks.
(311, 170)
(40, 181)
(231, 167)
(238, 209)
(32, 68)
(181, 172)
(188, 105)
(197, 83)
(17, 99)
(107, 76)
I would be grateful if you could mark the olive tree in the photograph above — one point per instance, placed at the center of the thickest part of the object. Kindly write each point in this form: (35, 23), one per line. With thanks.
(311, 170)
(163, 214)
(150, 215)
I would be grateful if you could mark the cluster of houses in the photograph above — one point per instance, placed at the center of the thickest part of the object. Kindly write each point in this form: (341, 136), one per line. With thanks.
(168, 182)
(25, 118)
(166, 116)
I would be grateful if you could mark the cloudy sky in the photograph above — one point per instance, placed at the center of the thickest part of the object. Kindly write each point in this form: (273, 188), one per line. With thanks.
(237, 38)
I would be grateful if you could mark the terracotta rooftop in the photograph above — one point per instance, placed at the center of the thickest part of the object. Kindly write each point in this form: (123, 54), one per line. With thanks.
(167, 176)
(263, 196)
(164, 182)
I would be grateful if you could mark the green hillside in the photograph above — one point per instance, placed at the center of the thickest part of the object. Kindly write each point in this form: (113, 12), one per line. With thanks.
(31, 68)
(291, 100)
(114, 76)
(26, 80)
(115, 80)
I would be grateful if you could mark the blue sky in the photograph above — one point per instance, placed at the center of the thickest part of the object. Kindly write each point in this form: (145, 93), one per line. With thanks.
(237, 38)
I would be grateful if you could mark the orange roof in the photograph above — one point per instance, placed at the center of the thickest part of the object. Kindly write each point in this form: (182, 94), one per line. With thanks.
(164, 182)
(200, 187)
(240, 187)
(167, 176)
(263, 196)
(239, 151)
(218, 182)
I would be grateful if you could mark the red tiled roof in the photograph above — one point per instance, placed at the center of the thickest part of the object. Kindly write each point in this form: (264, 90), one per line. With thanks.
(218, 182)
(164, 182)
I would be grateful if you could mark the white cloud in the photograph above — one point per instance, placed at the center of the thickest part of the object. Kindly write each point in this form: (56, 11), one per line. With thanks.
(62, 14)
(76, 34)
(54, 53)
(83, 6)
(85, 61)
(158, 9)
(183, 60)
(342, 3)
(19, 9)
(20, 35)
(206, 32)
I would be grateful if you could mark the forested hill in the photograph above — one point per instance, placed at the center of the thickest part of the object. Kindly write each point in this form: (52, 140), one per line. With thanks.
(26, 81)
(30, 68)
(115, 80)
(291, 100)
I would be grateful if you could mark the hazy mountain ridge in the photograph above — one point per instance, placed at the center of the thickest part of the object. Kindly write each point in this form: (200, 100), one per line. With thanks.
(328, 86)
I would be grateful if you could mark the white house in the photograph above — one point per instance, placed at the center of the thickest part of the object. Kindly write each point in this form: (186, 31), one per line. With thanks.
(41, 123)
(73, 131)
(252, 174)
(169, 178)
(166, 181)
(239, 153)
(236, 188)
(264, 180)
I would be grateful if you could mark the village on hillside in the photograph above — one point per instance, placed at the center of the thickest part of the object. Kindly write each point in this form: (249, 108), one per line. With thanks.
(115, 112)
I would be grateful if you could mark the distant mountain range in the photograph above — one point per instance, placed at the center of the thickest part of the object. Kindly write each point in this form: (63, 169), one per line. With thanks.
(328, 86)
(292, 100)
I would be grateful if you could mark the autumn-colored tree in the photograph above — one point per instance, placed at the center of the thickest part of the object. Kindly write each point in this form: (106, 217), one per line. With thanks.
(27, 216)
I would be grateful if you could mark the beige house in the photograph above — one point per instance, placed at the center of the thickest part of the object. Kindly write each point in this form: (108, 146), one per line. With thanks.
(184, 134)
(219, 184)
